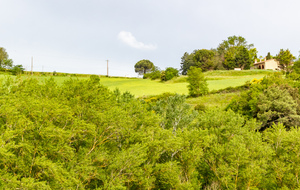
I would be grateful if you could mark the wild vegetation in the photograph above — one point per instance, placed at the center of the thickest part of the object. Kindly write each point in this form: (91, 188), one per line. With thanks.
(235, 130)
(80, 135)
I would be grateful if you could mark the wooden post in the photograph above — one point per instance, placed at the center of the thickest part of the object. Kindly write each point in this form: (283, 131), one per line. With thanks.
(31, 65)
(107, 68)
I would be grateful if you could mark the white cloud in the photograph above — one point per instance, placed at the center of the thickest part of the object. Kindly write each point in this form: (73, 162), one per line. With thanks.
(130, 40)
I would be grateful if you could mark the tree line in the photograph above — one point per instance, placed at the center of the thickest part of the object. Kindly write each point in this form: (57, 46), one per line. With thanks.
(235, 52)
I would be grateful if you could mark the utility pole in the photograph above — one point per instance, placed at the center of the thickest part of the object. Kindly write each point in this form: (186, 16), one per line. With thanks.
(32, 65)
(107, 68)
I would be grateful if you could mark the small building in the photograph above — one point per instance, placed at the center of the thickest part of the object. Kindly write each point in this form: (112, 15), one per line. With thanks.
(267, 64)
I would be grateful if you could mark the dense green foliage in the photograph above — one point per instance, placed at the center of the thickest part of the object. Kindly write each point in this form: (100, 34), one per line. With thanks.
(143, 66)
(237, 53)
(197, 83)
(296, 66)
(17, 69)
(270, 100)
(155, 73)
(232, 53)
(5, 62)
(269, 56)
(80, 135)
(285, 59)
(242, 58)
(204, 59)
(187, 60)
(169, 73)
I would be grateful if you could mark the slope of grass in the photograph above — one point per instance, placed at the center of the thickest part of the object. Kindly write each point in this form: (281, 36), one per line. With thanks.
(213, 100)
(144, 87)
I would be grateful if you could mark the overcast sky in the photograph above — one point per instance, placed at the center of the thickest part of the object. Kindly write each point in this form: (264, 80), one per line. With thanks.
(78, 36)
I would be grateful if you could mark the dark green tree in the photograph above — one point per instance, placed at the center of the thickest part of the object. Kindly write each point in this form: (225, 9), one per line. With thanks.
(279, 104)
(197, 83)
(229, 60)
(268, 56)
(285, 59)
(187, 60)
(169, 73)
(230, 48)
(270, 101)
(242, 59)
(204, 59)
(143, 66)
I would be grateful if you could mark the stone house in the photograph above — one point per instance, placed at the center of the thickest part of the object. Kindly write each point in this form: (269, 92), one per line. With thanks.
(267, 64)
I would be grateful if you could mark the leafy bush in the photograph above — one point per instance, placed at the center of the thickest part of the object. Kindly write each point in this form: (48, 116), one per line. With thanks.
(200, 107)
(80, 135)
(271, 100)
(169, 73)
(197, 83)
(17, 70)
(154, 74)
(156, 98)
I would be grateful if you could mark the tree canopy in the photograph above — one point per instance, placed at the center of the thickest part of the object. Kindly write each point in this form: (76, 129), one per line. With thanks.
(285, 59)
(187, 60)
(235, 52)
(242, 58)
(169, 73)
(5, 62)
(234, 49)
(143, 66)
(81, 135)
(204, 59)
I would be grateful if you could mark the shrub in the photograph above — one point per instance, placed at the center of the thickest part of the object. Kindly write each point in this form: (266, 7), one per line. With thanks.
(17, 69)
(169, 73)
(200, 107)
(197, 83)
(154, 74)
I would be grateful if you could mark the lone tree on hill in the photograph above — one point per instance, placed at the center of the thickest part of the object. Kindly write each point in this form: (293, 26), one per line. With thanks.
(143, 66)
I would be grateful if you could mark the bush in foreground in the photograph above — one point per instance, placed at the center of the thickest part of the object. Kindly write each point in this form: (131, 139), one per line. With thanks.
(80, 135)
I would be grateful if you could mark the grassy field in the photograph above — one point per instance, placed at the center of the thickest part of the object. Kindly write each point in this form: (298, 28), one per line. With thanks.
(144, 87)
(216, 80)
(213, 100)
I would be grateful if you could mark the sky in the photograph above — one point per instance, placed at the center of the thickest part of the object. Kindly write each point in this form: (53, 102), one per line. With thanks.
(79, 36)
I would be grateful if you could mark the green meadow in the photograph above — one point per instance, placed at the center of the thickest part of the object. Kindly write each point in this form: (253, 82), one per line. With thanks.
(145, 87)
(216, 80)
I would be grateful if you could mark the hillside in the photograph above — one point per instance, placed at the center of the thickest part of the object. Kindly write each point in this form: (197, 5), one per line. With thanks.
(144, 87)
(80, 135)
